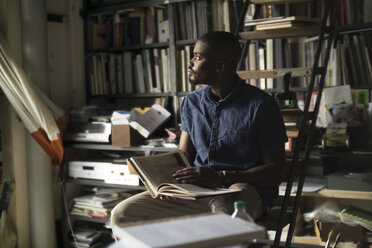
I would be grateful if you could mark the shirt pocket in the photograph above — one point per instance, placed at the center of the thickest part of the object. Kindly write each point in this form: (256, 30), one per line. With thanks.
(236, 141)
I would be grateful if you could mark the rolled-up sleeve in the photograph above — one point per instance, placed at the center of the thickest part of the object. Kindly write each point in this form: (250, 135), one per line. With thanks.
(185, 116)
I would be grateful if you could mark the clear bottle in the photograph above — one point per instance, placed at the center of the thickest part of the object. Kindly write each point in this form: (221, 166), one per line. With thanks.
(240, 212)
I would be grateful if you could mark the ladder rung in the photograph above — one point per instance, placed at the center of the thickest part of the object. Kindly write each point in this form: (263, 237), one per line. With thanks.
(275, 73)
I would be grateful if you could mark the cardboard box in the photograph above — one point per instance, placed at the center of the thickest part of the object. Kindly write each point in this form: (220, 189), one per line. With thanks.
(125, 136)
(348, 233)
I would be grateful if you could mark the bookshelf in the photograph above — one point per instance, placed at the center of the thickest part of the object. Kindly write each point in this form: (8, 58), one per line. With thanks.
(286, 43)
(344, 33)
(77, 151)
(116, 59)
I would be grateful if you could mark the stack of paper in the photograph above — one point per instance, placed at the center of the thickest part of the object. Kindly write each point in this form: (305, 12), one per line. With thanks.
(210, 230)
(120, 117)
(97, 206)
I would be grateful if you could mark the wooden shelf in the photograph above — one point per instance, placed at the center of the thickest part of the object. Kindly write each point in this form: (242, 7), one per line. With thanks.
(109, 147)
(333, 193)
(127, 48)
(305, 31)
(267, 2)
(135, 95)
(341, 194)
(92, 182)
(275, 73)
(185, 42)
(114, 5)
(90, 219)
(354, 28)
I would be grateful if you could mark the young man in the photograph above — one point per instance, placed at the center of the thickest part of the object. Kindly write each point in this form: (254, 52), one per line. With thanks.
(232, 132)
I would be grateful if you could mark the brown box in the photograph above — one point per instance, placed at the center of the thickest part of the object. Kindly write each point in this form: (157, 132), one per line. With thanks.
(125, 136)
(348, 233)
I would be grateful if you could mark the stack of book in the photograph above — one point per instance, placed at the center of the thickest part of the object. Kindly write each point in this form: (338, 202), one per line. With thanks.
(97, 206)
(84, 239)
(281, 22)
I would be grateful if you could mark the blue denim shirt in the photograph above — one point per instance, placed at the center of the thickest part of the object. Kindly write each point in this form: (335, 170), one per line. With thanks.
(231, 134)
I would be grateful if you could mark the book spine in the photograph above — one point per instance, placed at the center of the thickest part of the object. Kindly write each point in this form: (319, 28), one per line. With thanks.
(117, 29)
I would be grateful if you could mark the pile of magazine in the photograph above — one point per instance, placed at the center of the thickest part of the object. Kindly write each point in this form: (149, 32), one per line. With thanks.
(97, 205)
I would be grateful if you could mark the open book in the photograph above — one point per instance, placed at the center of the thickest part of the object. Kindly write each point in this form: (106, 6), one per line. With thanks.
(156, 174)
(207, 230)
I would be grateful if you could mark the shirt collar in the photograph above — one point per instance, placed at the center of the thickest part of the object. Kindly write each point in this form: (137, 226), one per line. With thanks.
(235, 91)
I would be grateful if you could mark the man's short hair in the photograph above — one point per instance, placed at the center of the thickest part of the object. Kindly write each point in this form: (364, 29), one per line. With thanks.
(225, 44)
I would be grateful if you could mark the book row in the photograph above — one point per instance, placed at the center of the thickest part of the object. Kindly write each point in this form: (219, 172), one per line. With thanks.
(194, 18)
(151, 24)
(350, 59)
(128, 27)
(146, 71)
(183, 57)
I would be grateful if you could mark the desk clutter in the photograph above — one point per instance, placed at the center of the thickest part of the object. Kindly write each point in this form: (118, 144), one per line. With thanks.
(90, 214)
(97, 205)
(121, 128)
(97, 142)
(331, 224)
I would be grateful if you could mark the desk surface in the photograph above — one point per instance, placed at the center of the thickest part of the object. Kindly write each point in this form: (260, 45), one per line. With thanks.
(332, 193)
(342, 194)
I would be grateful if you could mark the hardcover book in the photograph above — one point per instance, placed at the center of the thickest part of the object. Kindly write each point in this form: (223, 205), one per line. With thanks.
(156, 174)
(207, 230)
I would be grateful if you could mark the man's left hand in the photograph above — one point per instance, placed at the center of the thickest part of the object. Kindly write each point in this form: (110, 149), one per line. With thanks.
(198, 175)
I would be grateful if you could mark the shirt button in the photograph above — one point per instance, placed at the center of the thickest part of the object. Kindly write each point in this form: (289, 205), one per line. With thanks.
(235, 132)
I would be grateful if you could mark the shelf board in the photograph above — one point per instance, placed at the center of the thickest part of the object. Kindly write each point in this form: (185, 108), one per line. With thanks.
(333, 193)
(305, 31)
(127, 48)
(185, 42)
(134, 95)
(353, 28)
(267, 2)
(274, 73)
(92, 182)
(90, 219)
(183, 93)
(341, 194)
(115, 5)
(109, 147)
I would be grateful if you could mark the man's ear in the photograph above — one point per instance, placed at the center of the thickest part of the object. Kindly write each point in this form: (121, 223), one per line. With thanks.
(220, 66)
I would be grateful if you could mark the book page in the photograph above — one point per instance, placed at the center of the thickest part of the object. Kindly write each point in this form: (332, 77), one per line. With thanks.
(158, 169)
(210, 230)
(191, 191)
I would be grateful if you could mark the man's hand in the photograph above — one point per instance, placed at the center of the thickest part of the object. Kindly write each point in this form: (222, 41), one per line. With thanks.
(198, 175)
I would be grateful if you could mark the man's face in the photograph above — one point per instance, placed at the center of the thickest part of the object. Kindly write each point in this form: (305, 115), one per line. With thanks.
(202, 67)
